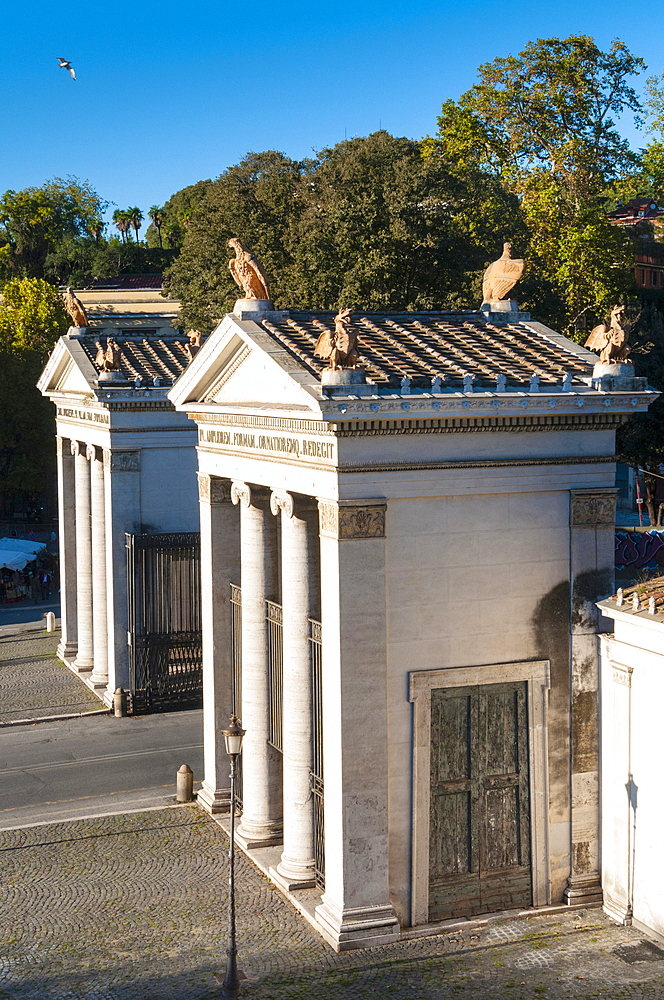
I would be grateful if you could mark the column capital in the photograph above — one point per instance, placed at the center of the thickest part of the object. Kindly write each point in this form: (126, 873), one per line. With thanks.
(365, 519)
(59, 445)
(78, 448)
(95, 453)
(593, 507)
(213, 489)
(240, 493)
(122, 461)
(281, 500)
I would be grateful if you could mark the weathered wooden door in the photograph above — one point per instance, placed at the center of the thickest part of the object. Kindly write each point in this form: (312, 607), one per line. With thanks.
(479, 834)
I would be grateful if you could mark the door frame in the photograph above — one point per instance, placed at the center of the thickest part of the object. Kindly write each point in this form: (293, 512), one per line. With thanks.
(536, 675)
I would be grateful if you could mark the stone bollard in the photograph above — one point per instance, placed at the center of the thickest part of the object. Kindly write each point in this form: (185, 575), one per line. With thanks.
(50, 622)
(119, 703)
(185, 784)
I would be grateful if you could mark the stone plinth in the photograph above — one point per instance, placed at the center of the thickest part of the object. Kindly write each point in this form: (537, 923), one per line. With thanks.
(613, 378)
(256, 310)
(112, 379)
(506, 310)
(343, 376)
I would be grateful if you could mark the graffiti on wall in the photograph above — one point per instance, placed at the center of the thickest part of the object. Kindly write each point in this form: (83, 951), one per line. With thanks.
(639, 550)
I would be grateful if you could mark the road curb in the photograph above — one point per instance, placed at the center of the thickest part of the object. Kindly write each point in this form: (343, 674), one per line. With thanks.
(55, 718)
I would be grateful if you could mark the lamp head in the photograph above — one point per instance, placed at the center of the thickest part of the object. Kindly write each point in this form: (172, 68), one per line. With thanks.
(233, 737)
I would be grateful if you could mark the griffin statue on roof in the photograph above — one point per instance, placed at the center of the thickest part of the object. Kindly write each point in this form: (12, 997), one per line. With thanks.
(342, 346)
(76, 309)
(610, 341)
(248, 272)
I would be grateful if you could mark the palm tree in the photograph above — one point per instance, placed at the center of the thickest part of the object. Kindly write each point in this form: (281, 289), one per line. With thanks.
(135, 219)
(121, 222)
(155, 216)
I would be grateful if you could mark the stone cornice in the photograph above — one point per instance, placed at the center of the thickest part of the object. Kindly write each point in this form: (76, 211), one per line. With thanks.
(498, 463)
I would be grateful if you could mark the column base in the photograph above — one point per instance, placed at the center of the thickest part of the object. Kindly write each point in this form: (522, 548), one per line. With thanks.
(265, 835)
(290, 884)
(83, 665)
(66, 651)
(214, 800)
(359, 927)
(583, 889)
(97, 683)
(618, 910)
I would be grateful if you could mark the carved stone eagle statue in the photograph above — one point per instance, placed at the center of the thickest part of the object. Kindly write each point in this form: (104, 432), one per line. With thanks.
(248, 272)
(76, 309)
(342, 348)
(501, 276)
(611, 341)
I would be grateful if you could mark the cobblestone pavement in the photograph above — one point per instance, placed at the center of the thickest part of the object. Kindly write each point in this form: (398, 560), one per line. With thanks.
(34, 684)
(133, 907)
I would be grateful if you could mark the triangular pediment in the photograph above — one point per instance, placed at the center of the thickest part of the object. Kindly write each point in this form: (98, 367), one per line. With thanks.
(68, 371)
(240, 364)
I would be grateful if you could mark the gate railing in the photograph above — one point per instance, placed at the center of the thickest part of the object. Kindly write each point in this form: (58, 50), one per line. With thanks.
(317, 787)
(275, 645)
(236, 677)
(164, 621)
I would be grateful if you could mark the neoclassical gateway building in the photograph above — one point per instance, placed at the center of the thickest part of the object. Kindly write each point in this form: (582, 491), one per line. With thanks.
(399, 571)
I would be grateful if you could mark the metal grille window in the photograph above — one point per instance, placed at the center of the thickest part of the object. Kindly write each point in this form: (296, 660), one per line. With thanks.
(315, 644)
(275, 672)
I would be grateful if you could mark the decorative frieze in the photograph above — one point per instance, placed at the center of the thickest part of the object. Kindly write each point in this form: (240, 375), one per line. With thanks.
(122, 461)
(592, 507)
(357, 521)
(213, 489)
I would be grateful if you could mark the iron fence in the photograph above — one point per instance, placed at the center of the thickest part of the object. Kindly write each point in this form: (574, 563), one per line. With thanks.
(236, 677)
(275, 633)
(164, 621)
(317, 787)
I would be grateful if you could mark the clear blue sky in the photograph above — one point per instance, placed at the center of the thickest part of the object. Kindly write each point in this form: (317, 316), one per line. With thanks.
(167, 94)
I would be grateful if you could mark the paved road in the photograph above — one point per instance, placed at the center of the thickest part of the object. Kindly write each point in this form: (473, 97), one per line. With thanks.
(133, 907)
(52, 771)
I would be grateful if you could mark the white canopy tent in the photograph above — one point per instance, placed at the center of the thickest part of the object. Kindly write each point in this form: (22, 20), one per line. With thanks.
(16, 553)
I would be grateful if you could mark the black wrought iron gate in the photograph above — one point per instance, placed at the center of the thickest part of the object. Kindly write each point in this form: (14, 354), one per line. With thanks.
(164, 629)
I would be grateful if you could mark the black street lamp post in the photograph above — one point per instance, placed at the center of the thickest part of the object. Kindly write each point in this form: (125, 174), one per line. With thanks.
(233, 737)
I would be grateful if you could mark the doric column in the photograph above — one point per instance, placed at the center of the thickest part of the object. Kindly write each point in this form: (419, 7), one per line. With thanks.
(261, 822)
(99, 608)
(299, 577)
(122, 491)
(356, 909)
(84, 656)
(592, 544)
(220, 567)
(67, 548)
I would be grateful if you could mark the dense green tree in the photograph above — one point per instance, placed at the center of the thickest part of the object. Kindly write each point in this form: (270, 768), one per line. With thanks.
(255, 200)
(36, 220)
(543, 123)
(376, 223)
(176, 214)
(156, 218)
(135, 219)
(32, 318)
(121, 222)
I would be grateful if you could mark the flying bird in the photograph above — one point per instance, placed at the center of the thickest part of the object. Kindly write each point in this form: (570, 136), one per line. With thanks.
(64, 64)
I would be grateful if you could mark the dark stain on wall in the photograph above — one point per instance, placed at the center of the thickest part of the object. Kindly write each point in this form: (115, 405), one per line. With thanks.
(585, 742)
(589, 587)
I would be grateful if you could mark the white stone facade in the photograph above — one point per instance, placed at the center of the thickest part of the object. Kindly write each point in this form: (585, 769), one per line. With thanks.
(126, 463)
(632, 690)
(462, 539)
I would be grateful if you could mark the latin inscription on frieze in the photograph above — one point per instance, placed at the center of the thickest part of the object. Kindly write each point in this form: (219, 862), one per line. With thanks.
(273, 444)
(94, 416)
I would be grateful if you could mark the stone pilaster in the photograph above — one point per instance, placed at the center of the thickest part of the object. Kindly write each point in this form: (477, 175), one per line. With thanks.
(618, 788)
(299, 578)
(261, 822)
(122, 490)
(220, 567)
(355, 909)
(592, 543)
(99, 676)
(84, 655)
(67, 548)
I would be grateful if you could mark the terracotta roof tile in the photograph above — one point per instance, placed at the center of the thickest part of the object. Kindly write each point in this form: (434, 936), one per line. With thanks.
(420, 346)
(144, 357)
